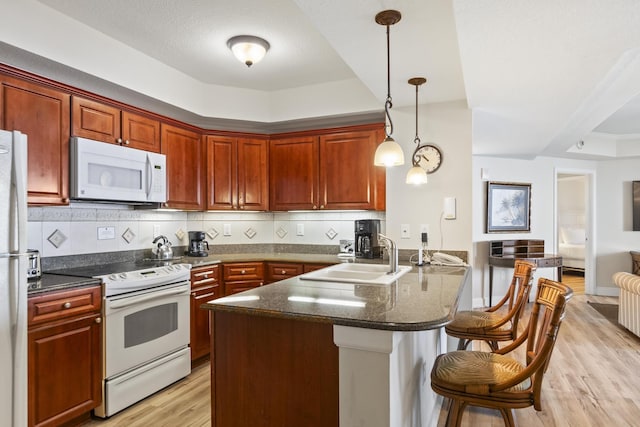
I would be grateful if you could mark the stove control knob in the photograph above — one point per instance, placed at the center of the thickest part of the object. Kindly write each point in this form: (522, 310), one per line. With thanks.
(123, 275)
(113, 277)
(177, 266)
(170, 268)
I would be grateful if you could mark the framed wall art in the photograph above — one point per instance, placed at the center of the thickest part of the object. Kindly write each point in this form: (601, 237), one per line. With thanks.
(508, 207)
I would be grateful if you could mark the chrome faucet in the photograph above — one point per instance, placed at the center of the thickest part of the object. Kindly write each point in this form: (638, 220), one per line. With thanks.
(393, 253)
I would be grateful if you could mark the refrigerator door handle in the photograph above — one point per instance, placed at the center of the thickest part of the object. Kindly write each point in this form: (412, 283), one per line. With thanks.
(20, 180)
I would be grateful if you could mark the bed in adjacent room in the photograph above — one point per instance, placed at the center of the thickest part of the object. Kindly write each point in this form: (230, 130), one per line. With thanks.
(572, 248)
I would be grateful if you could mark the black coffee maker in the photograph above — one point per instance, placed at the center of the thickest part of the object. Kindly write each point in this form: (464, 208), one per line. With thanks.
(197, 244)
(366, 238)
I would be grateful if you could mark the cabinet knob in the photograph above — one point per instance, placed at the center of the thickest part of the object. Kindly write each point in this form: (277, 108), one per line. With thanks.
(193, 294)
(315, 207)
(126, 142)
(205, 275)
(282, 272)
(242, 207)
(261, 283)
(119, 140)
(243, 272)
(98, 319)
(321, 206)
(66, 305)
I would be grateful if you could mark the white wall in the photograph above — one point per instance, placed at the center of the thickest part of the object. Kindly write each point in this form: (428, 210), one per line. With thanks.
(540, 173)
(614, 233)
(447, 125)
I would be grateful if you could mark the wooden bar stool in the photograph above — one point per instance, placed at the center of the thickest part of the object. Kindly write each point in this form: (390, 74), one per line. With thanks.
(494, 324)
(497, 380)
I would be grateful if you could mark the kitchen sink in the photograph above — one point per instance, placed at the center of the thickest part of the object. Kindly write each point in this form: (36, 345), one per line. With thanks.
(356, 273)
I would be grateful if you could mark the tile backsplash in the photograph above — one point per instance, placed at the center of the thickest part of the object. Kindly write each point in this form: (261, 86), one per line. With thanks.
(95, 228)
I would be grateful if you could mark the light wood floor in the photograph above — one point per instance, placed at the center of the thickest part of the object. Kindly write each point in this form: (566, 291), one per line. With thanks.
(592, 381)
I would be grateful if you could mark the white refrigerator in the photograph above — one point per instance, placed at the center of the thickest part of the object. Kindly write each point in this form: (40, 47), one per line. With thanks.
(13, 279)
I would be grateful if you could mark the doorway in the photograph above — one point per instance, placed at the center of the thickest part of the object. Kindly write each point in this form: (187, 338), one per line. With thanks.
(574, 227)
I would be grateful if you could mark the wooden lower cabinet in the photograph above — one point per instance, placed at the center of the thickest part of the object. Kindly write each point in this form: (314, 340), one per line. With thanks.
(64, 356)
(242, 276)
(270, 371)
(205, 286)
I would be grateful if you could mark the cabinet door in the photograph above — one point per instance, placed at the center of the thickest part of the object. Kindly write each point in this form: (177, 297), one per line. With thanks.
(253, 174)
(347, 173)
(94, 120)
(294, 173)
(200, 327)
(140, 132)
(43, 115)
(185, 167)
(65, 370)
(221, 173)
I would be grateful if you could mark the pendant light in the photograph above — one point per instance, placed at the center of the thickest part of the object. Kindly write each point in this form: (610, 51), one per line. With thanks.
(416, 174)
(389, 153)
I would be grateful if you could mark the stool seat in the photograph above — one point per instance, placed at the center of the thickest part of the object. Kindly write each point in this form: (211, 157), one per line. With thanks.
(475, 371)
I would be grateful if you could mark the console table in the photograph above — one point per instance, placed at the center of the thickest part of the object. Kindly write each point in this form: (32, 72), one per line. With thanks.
(504, 253)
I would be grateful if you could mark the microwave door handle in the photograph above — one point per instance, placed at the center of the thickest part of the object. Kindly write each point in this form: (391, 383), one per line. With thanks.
(149, 177)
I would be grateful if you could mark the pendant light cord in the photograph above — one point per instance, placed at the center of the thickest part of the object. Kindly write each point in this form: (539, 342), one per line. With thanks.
(388, 105)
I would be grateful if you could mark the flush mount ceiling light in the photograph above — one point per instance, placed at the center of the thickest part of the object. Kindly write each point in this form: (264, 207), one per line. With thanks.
(417, 175)
(248, 49)
(389, 153)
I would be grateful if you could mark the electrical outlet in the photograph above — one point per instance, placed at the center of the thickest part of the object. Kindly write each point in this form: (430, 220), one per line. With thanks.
(226, 229)
(405, 231)
(299, 229)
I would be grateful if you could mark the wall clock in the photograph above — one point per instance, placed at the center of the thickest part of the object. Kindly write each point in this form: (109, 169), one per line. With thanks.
(429, 157)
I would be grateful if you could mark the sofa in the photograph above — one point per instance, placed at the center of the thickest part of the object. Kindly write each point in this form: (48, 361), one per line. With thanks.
(629, 308)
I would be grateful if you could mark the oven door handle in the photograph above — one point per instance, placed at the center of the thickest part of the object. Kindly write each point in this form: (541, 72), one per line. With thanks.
(128, 302)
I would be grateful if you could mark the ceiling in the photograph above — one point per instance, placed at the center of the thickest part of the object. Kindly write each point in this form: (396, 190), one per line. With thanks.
(539, 76)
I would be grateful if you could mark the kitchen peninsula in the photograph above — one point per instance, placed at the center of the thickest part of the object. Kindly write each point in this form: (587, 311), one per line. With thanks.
(316, 353)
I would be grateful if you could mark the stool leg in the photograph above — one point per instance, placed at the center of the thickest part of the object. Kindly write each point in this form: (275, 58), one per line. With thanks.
(454, 418)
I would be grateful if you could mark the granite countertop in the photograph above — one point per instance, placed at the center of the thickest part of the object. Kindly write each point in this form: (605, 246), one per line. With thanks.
(56, 282)
(424, 298)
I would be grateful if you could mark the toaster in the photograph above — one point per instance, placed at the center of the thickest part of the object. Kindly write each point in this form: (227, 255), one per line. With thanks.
(34, 271)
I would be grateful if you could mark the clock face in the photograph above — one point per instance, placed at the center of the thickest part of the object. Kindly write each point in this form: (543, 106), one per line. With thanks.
(429, 158)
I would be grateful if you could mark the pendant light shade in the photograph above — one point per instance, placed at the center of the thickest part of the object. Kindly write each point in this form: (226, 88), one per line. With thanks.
(248, 49)
(416, 175)
(389, 153)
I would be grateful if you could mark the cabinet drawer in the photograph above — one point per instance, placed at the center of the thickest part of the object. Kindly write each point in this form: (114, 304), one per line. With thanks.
(313, 267)
(550, 262)
(244, 271)
(231, 288)
(205, 276)
(281, 271)
(64, 304)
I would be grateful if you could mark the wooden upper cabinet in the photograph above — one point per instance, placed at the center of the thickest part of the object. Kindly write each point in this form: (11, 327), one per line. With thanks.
(253, 174)
(237, 173)
(185, 167)
(293, 173)
(43, 115)
(101, 122)
(348, 177)
(333, 170)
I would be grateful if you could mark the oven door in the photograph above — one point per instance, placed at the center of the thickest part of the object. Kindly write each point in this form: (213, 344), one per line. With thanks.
(142, 326)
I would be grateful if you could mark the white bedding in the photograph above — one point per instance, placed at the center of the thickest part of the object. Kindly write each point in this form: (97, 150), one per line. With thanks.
(572, 255)
(571, 247)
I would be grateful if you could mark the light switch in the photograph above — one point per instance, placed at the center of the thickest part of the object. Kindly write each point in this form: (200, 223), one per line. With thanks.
(106, 233)
(226, 230)
(299, 229)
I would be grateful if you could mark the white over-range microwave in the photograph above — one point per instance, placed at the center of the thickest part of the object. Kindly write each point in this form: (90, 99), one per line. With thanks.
(101, 171)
